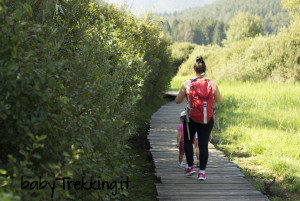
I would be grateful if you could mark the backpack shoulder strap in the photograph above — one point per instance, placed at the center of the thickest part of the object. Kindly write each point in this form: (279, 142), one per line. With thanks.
(195, 78)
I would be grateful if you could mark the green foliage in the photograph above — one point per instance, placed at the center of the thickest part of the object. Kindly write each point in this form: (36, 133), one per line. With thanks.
(181, 52)
(166, 28)
(210, 55)
(243, 26)
(293, 6)
(202, 32)
(74, 77)
(273, 16)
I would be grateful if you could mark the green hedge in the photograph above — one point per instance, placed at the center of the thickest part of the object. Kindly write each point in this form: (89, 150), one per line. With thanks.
(74, 77)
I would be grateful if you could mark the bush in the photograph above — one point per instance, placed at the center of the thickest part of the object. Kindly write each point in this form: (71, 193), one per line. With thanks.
(181, 52)
(73, 76)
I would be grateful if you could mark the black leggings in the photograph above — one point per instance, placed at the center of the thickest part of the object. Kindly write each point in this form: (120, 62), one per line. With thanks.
(203, 131)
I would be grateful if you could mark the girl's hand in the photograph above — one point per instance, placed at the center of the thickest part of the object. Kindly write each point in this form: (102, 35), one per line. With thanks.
(210, 137)
(177, 145)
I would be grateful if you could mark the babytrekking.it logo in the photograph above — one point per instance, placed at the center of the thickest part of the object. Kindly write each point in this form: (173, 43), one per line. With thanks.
(67, 183)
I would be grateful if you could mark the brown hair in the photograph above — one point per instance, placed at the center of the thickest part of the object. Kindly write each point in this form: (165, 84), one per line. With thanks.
(199, 65)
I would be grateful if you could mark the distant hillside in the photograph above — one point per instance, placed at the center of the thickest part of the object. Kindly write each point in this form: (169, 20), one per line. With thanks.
(270, 11)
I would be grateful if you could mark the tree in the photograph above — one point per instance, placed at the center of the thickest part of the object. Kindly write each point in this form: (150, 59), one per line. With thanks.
(219, 34)
(199, 38)
(166, 28)
(174, 29)
(293, 6)
(207, 28)
(186, 33)
(242, 26)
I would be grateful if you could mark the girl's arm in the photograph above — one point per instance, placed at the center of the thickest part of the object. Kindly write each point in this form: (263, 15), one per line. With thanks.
(210, 136)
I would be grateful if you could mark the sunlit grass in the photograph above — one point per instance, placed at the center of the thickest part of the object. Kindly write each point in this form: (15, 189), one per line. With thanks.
(261, 122)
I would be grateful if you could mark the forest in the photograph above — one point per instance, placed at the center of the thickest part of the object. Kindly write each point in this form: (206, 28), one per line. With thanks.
(202, 32)
(208, 24)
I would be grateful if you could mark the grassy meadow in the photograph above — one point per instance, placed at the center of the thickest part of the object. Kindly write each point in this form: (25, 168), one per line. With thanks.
(261, 131)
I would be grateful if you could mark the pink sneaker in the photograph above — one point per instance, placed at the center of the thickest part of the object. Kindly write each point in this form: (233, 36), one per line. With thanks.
(189, 171)
(201, 176)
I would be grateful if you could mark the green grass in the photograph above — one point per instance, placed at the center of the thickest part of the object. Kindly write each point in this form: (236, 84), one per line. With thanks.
(142, 173)
(261, 130)
(177, 82)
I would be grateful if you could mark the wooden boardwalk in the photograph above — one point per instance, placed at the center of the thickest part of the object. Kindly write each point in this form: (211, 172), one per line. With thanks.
(224, 180)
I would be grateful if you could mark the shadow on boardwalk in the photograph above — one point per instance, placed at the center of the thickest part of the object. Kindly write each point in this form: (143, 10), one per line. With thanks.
(224, 180)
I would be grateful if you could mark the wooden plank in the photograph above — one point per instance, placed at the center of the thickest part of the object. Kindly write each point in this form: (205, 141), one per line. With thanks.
(208, 175)
(211, 158)
(219, 167)
(199, 192)
(162, 130)
(209, 171)
(212, 165)
(215, 198)
(245, 186)
(193, 180)
(171, 93)
(166, 147)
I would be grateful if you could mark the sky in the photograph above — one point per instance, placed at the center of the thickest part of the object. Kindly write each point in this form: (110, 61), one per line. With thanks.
(161, 6)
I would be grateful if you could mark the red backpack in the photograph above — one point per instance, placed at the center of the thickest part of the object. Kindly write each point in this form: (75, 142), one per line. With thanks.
(200, 100)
